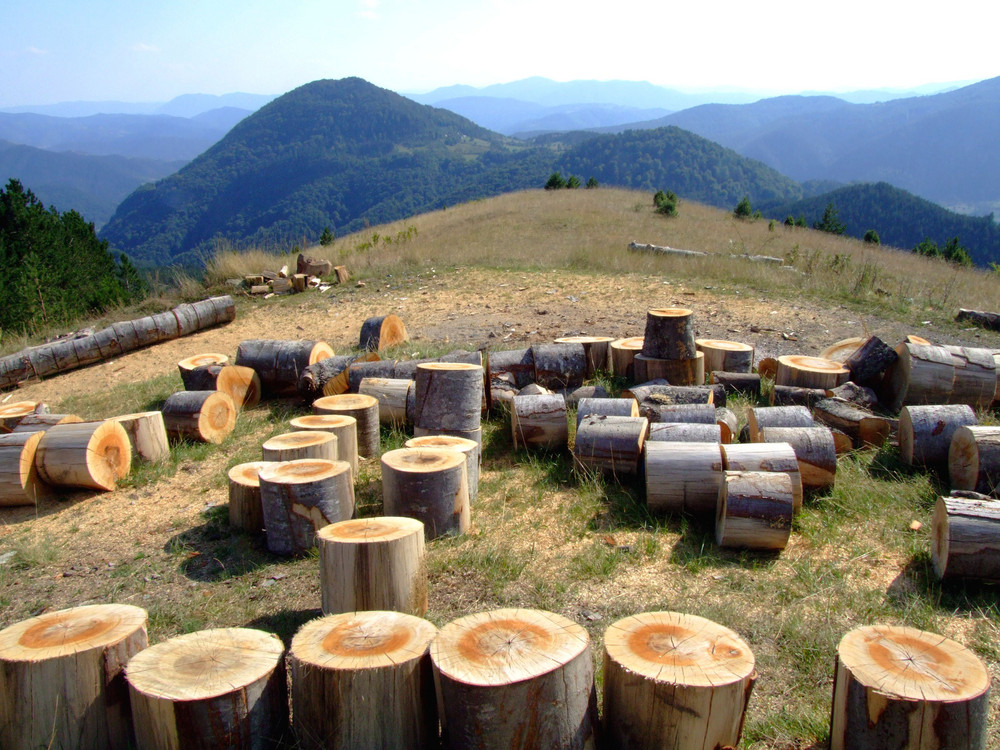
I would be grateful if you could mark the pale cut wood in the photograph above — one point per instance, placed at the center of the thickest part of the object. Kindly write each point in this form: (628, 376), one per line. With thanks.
(373, 564)
(681, 432)
(675, 680)
(61, 678)
(533, 389)
(474, 435)
(290, 446)
(187, 365)
(683, 477)
(686, 413)
(914, 339)
(842, 350)
(299, 282)
(975, 380)
(810, 372)
(93, 455)
(12, 414)
(471, 449)
(343, 275)
(241, 384)
(221, 688)
(520, 363)
(608, 407)
(905, 688)
(147, 434)
(609, 443)
(974, 459)
(377, 368)
(669, 335)
(430, 485)
(674, 371)
(726, 356)
(392, 395)
(203, 416)
(789, 395)
(382, 332)
(378, 666)
(42, 422)
(925, 432)
(765, 456)
(923, 374)
(863, 427)
(538, 661)
(245, 510)
(19, 481)
(300, 497)
(341, 425)
(623, 353)
(539, 422)
(364, 409)
(728, 423)
(815, 451)
(759, 417)
(559, 366)
(449, 396)
(596, 350)
(279, 364)
(737, 382)
(965, 538)
(755, 510)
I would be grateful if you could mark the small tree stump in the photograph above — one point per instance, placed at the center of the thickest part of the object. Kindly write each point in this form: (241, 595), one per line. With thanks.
(596, 349)
(364, 410)
(726, 356)
(925, 432)
(378, 666)
(539, 422)
(923, 374)
(93, 455)
(291, 446)
(187, 366)
(341, 425)
(669, 335)
(203, 416)
(392, 395)
(430, 485)
(468, 448)
(965, 538)
(810, 372)
(373, 564)
(147, 434)
(449, 396)
(905, 688)
(755, 510)
(19, 482)
(223, 688)
(279, 364)
(973, 459)
(683, 477)
(245, 510)
(675, 680)
(815, 451)
(381, 332)
(61, 678)
(611, 444)
(677, 372)
(559, 366)
(681, 432)
(759, 417)
(623, 353)
(536, 661)
(520, 363)
(765, 456)
(975, 380)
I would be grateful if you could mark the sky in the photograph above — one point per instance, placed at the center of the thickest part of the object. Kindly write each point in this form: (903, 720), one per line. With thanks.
(153, 50)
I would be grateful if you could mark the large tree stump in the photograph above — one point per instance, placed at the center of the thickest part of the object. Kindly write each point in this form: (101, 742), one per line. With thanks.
(925, 432)
(279, 364)
(861, 425)
(759, 417)
(677, 372)
(681, 432)
(766, 456)
(290, 446)
(93, 455)
(203, 416)
(341, 425)
(515, 679)
(905, 688)
(372, 564)
(923, 374)
(973, 459)
(61, 678)
(449, 396)
(975, 380)
(19, 481)
(755, 510)
(468, 448)
(300, 497)
(430, 485)
(815, 451)
(222, 688)
(611, 444)
(669, 334)
(675, 680)
(539, 422)
(392, 395)
(245, 510)
(378, 667)
(559, 366)
(965, 538)
(726, 356)
(607, 407)
(520, 363)
(683, 477)
(810, 372)
(381, 332)
(596, 350)
(867, 363)
(364, 410)
(623, 353)
(147, 434)
(197, 381)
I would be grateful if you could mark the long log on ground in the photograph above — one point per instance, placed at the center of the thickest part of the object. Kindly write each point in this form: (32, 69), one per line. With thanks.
(291, 446)
(925, 432)
(788, 395)
(245, 509)
(675, 680)
(381, 333)
(726, 356)
(42, 422)
(559, 366)
(623, 353)
(343, 426)
(203, 416)
(767, 457)
(669, 334)
(364, 409)
(279, 364)
(392, 395)
(373, 564)
(815, 451)
(358, 371)
(683, 477)
(378, 666)
(681, 432)
(539, 422)
(328, 377)
(923, 374)
(674, 371)
(809, 372)
(965, 538)
(468, 448)
(988, 320)
(222, 688)
(905, 688)
(196, 382)
(449, 396)
(974, 459)
(660, 391)
(518, 362)
(430, 485)
(867, 363)
(611, 444)
(728, 423)
(596, 349)
(19, 481)
(975, 380)
(93, 455)
(62, 682)
(690, 413)
(759, 417)
(863, 427)
(538, 661)
(147, 434)
(755, 510)
(608, 407)
(747, 383)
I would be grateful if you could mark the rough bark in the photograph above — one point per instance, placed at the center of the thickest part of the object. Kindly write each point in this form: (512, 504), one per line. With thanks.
(861, 425)
(683, 477)
(381, 332)
(726, 356)
(343, 426)
(609, 443)
(364, 409)
(870, 360)
(203, 416)
(747, 383)
(925, 432)
(759, 417)
(147, 434)
(559, 366)
(93, 455)
(674, 371)
(973, 459)
(539, 422)
(669, 334)
(279, 364)
(965, 538)
(430, 485)
(815, 452)
(755, 510)
(766, 457)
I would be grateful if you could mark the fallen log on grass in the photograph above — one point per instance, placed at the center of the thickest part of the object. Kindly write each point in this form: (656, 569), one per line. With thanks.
(381, 333)
(988, 320)
(279, 364)
(965, 538)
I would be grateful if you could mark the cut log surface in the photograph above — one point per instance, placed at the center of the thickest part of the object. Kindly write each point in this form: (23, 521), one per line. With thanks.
(767, 367)
(612, 444)
(920, 340)
(539, 422)
(842, 350)
(373, 564)
(759, 417)
(42, 422)
(680, 432)
(965, 538)
(187, 366)
(291, 446)
(279, 364)
(12, 414)
(341, 425)
(468, 448)
(683, 477)
(608, 407)
(147, 434)
(61, 678)
(449, 396)
(728, 424)
(203, 416)
(789, 395)
(378, 666)
(768, 457)
(245, 511)
(974, 459)
(925, 432)
(905, 688)
(430, 485)
(92, 455)
(623, 353)
(474, 435)
(241, 384)
(518, 362)
(674, 371)
(675, 680)
(596, 349)
(755, 510)
(923, 374)
(221, 688)
(669, 334)
(815, 451)
(364, 409)
(539, 662)
(975, 380)
(19, 481)
(810, 372)
(726, 356)
(863, 427)
(381, 332)
(870, 360)
(747, 383)
(559, 366)
(392, 395)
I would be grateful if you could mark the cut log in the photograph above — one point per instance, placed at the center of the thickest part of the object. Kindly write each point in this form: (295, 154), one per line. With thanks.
(759, 417)
(681, 432)
(689, 413)
(344, 427)
(788, 395)
(299, 282)
(468, 448)
(858, 395)
(861, 425)
(474, 435)
(965, 538)
(358, 371)
(608, 407)
(675, 680)
(245, 510)
(12, 414)
(661, 392)
(381, 332)
(559, 366)
(988, 320)
(574, 397)
(611, 444)
(222, 688)
(328, 377)
(373, 564)
(300, 497)
(755, 510)
(815, 452)
(279, 364)
(867, 363)
(623, 353)
(203, 416)
(378, 666)
(842, 350)
(93, 455)
(291, 446)
(922, 375)
(726, 356)
(312, 266)
(260, 289)
(669, 335)
(62, 682)
(539, 422)
(281, 286)
(729, 425)
(766, 457)
(674, 371)
(843, 442)
(538, 661)
(920, 340)
(241, 384)
(975, 380)
(449, 396)
(430, 485)
(746, 383)
(197, 382)
(518, 362)
(406, 369)
(767, 367)
(925, 432)
(19, 481)
(905, 688)
(973, 459)
(42, 422)
(343, 275)
(392, 395)
(683, 477)
(364, 409)
(596, 349)
(810, 372)
(147, 434)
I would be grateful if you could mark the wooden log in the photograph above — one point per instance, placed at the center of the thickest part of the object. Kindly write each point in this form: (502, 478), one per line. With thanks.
(867, 363)
(767, 367)
(518, 362)
(474, 435)
(343, 275)
(449, 396)
(987, 320)
(220, 688)
(300, 497)
(788, 395)
(62, 682)
(241, 384)
(683, 477)
(166, 328)
(538, 661)
(147, 434)
(755, 510)
(690, 413)
(815, 452)
(859, 395)
(378, 666)
(842, 350)
(539, 422)
(759, 417)
(559, 366)
(42, 422)
(659, 391)
(674, 371)
(974, 459)
(574, 397)
(329, 374)
(343, 426)
(373, 564)
(279, 364)
(905, 688)
(254, 279)
(920, 340)
(382, 332)
(675, 680)
(12, 414)
(203, 416)
(975, 380)
(925, 432)
(608, 407)
(93, 455)
(392, 395)
(965, 538)
(245, 510)
(996, 398)
(187, 365)
(669, 335)
(359, 370)
(430, 485)
(281, 285)
(923, 374)
(291, 446)
(596, 349)
(809, 372)
(729, 425)
(612, 444)
(260, 289)
(766, 457)
(682, 432)
(202, 378)
(19, 481)
(843, 442)
(299, 282)
(364, 409)
(746, 383)
(471, 449)
(726, 356)
(861, 425)
(623, 353)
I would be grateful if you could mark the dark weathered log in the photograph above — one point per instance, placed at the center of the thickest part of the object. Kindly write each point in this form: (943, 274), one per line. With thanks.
(559, 366)
(870, 360)
(965, 538)
(202, 377)
(859, 395)
(747, 383)
(358, 371)
(755, 510)
(669, 334)
(787, 395)
(863, 427)
(448, 396)
(612, 444)
(204, 416)
(726, 356)
(815, 452)
(518, 362)
(315, 378)
(381, 332)
(925, 432)
(280, 364)
(988, 320)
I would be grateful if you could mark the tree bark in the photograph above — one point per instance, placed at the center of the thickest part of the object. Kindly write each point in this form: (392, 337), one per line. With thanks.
(328, 377)
(430, 485)
(559, 366)
(788, 395)
(292, 446)
(392, 395)
(608, 407)
(870, 360)
(759, 417)
(925, 432)
(861, 425)
(449, 396)
(19, 481)
(815, 452)
(245, 510)
(204, 416)
(611, 444)
(688, 413)
(988, 320)
(974, 459)
(965, 538)
(518, 362)
(975, 381)
(669, 335)
(747, 383)
(358, 371)
(364, 409)
(683, 432)
(197, 382)
(661, 392)
(766, 457)
(726, 356)
(755, 510)
(923, 374)
(381, 333)
(539, 422)
(93, 455)
(683, 477)
(674, 371)
(279, 364)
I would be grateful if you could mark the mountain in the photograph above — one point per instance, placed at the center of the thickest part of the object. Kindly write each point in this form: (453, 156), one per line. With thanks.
(186, 105)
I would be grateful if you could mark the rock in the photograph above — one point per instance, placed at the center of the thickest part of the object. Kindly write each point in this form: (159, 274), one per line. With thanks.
(313, 266)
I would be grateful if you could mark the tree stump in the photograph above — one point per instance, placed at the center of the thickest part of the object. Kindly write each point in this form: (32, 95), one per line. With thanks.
(430, 485)
(468, 448)
(188, 365)
(203, 416)
(364, 410)
(596, 350)
(747, 383)
(520, 363)
(765, 456)
(381, 332)
(810, 372)
(815, 451)
(222, 688)
(61, 678)
(539, 422)
(373, 564)
(669, 335)
(19, 482)
(559, 366)
(623, 353)
(378, 666)
(611, 444)
(341, 425)
(965, 538)
(291, 446)
(975, 380)
(539, 662)
(300, 497)
(726, 356)
(905, 688)
(755, 510)
(973, 459)
(683, 477)
(449, 396)
(279, 364)
(607, 407)
(681, 432)
(925, 432)
(842, 350)
(863, 427)
(923, 374)
(392, 395)
(93, 455)
(147, 434)
(674, 371)
(245, 510)
(675, 681)
(759, 417)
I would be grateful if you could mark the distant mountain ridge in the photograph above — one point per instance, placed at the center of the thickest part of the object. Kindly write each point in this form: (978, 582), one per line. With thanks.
(185, 105)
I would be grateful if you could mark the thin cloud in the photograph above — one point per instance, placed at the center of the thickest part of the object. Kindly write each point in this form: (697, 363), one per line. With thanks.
(368, 9)
(36, 51)
(142, 47)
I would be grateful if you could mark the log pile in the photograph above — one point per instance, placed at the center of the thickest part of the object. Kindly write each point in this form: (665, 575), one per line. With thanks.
(766, 457)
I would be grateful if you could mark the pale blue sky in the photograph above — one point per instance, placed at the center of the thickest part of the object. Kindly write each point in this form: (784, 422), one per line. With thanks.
(153, 50)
